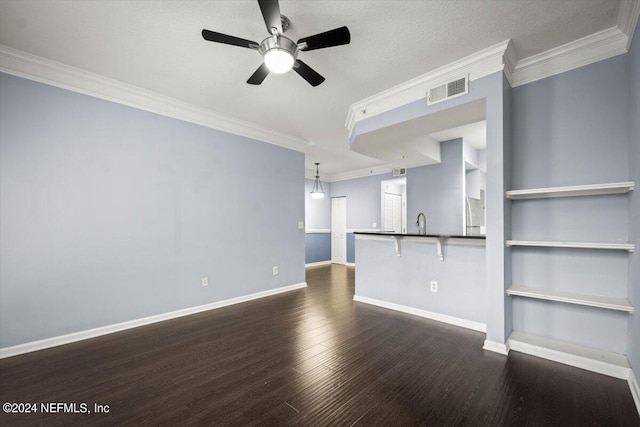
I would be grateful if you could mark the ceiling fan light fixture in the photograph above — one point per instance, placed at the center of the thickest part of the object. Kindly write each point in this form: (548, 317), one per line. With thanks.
(279, 53)
(279, 61)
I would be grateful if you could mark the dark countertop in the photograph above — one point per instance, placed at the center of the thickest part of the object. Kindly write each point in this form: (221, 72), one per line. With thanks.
(381, 233)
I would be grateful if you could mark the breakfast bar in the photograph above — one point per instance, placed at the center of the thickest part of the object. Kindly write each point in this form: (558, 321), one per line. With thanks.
(441, 277)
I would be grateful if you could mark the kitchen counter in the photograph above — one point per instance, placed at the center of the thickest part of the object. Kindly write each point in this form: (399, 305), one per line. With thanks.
(437, 236)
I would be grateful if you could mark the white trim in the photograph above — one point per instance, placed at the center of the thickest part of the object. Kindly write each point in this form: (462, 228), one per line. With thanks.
(360, 173)
(363, 230)
(317, 230)
(482, 63)
(572, 191)
(497, 347)
(630, 247)
(602, 362)
(32, 67)
(350, 264)
(609, 303)
(501, 57)
(464, 323)
(317, 264)
(628, 18)
(587, 50)
(635, 389)
(510, 60)
(104, 330)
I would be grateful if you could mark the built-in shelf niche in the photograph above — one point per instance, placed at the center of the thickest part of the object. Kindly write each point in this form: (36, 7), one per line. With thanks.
(621, 304)
(583, 357)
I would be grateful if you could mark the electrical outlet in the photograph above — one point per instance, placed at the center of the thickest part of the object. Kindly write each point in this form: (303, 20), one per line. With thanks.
(300, 225)
(434, 286)
(275, 270)
(205, 281)
(374, 225)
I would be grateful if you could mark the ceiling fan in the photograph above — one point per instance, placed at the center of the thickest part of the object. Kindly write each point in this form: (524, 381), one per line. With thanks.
(280, 53)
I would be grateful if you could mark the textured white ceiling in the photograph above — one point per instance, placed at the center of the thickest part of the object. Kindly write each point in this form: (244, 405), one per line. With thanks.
(157, 45)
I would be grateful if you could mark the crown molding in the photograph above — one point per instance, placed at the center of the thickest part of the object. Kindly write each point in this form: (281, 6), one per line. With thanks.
(628, 18)
(32, 67)
(510, 61)
(360, 173)
(477, 65)
(587, 50)
(343, 176)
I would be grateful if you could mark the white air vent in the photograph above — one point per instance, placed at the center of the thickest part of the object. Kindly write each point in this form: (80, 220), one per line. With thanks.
(399, 171)
(448, 90)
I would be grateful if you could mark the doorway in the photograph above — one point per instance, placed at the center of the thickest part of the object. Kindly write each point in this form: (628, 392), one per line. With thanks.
(393, 202)
(338, 230)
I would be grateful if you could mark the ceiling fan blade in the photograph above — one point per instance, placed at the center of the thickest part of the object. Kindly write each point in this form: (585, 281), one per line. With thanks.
(308, 73)
(271, 13)
(212, 36)
(335, 37)
(259, 75)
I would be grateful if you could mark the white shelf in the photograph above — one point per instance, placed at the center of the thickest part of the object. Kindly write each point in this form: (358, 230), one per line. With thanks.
(604, 362)
(621, 304)
(578, 245)
(572, 191)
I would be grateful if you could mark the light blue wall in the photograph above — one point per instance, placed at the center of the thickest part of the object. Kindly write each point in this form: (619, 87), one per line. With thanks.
(633, 350)
(351, 247)
(317, 212)
(438, 192)
(572, 129)
(363, 200)
(405, 280)
(109, 214)
(317, 247)
(317, 217)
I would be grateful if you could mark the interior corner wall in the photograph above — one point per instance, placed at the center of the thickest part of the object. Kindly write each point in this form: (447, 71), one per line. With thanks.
(438, 192)
(317, 224)
(633, 335)
(363, 205)
(507, 176)
(572, 129)
(110, 213)
(363, 200)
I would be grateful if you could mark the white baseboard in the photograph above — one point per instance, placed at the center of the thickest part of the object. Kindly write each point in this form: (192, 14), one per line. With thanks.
(496, 347)
(350, 264)
(594, 360)
(469, 324)
(635, 389)
(315, 264)
(104, 330)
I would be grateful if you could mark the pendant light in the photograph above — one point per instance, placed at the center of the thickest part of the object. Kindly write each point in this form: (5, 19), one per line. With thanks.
(317, 192)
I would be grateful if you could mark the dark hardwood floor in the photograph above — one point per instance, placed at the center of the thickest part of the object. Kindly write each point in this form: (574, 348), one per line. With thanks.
(307, 357)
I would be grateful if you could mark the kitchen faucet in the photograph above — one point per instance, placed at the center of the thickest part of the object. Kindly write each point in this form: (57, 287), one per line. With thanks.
(422, 223)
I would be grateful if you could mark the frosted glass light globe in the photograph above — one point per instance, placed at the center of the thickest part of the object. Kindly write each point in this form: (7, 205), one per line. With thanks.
(278, 61)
